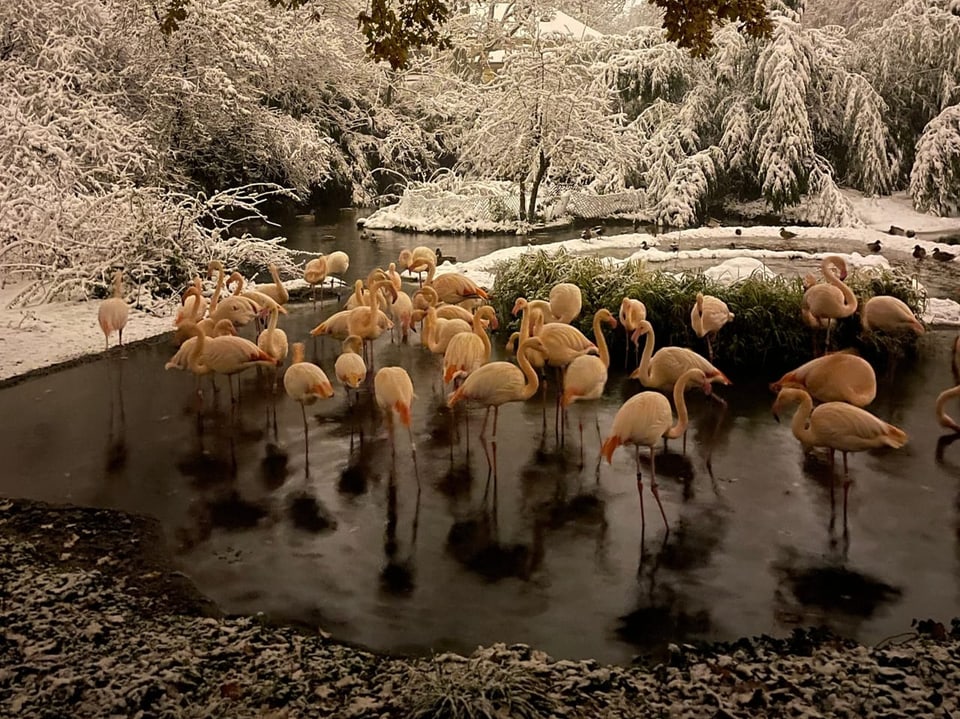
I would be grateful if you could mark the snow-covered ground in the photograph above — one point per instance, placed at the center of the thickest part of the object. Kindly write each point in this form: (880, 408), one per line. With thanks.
(44, 335)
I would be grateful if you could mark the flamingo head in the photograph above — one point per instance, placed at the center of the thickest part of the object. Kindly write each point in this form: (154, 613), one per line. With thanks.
(518, 306)
(405, 258)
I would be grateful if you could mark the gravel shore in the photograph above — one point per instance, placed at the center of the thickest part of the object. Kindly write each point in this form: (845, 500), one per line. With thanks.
(94, 622)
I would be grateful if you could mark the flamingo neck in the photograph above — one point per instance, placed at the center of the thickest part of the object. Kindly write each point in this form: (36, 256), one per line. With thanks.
(431, 329)
(195, 361)
(647, 356)
(531, 381)
(431, 271)
(833, 278)
(481, 333)
(679, 399)
(601, 340)
(272, 326)
(801, 417)
(942, 416)
(215, 299)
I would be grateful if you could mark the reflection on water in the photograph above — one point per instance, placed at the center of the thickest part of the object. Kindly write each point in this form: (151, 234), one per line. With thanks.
(515, 541)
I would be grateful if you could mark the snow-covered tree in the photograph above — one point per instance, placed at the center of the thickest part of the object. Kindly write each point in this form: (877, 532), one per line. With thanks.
(935, 178)
(546, 114)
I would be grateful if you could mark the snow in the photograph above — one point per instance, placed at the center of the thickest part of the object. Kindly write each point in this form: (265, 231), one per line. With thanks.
(44, 335)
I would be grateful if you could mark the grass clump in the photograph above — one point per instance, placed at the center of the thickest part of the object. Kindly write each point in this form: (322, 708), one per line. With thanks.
(476, 688)
(766, 334)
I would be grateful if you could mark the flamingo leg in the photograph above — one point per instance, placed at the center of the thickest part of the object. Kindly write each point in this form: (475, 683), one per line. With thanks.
(580, 424)
(709, 349)
(655, 490)
(486, 416)
(643, 518)
(496, 415)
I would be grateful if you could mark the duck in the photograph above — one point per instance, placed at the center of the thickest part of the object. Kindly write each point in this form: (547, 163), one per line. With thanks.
(586, 234)
(939, 254)
(894, 230)
(874, 246)
(598, 230)
(441, 258)
(674, 246)
(919, 252)
(785, 234)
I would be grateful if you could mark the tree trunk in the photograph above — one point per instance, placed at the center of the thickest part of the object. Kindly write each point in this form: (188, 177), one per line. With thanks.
(541, 173)
(523, 203)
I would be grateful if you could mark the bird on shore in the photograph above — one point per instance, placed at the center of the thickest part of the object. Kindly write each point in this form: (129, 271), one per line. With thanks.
(894, 230)
(393, 390)
(888, 314)
(441, 258)
(674, 246)
(738, 232)
(874, 246)
(586, 234)
(919, 252)
(939, 254)
(113, 313)
(708, 316)
(830, 300)
(786, 234)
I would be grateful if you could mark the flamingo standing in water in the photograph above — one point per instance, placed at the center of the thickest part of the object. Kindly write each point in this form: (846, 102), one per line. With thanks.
(314, 273)
(943, 418)
(113, 313)
(467, 351)
(663, 369)
(708, 317)
(393, 390)
(586, 376)
(838, 426)
(646, 417)
(350, 368)
(497, 383)
(193, 304)
(277, 292)
(274, 341)
(830, 300)
(305, 383)
(632, 312)
(835, 377)
(565, 301)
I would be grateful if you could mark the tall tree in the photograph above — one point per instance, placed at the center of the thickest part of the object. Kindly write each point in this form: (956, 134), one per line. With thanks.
(547, 115)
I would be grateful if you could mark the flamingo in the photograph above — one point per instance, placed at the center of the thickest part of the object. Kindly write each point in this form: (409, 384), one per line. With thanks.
(835, 377)
(427, 297)
(830, 300)
(181, 359)
(646, 417)
(314, 273)
(943, 418)
(238, 310)
(522, 304)
(394, 393)
(565, 301)
(365, 321)
(305, 383)
(273, 341)
(438, 332)
(276, 292)
(888, 314)
(350, 368)
(497, 383)
(263, 303)
(632, 312)
(226, 355)
(402, 311)
(451, 287)
(417, 260)
(663, 369)
(113, 313)
(587, 374)
(193, 304)
(837, 426)
(708, 316)
(467, 351)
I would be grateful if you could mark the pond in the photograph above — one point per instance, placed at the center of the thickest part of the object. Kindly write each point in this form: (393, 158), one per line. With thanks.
(512, 542)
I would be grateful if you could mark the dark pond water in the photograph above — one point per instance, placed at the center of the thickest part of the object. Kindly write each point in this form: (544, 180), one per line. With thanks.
(513, 543)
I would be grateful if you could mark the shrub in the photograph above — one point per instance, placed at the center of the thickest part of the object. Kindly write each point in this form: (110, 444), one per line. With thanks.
(767, 332)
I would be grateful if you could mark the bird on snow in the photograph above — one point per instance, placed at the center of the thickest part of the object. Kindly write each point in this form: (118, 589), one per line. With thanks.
(738, 232)
(939, 254)
(674, 246)
(786, 234)
(894, 230)
(874, 246)
(919, 252)
(586, 234)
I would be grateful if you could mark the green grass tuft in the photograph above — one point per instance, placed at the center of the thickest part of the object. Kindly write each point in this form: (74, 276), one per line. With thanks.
(766, 334)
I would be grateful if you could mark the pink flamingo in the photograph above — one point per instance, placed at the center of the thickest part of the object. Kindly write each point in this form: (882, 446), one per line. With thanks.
(113, 313)
(834, 377)
(708, 317)
(646, 417)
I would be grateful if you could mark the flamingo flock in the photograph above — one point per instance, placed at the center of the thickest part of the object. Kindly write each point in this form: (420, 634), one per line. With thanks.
(830, 392)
